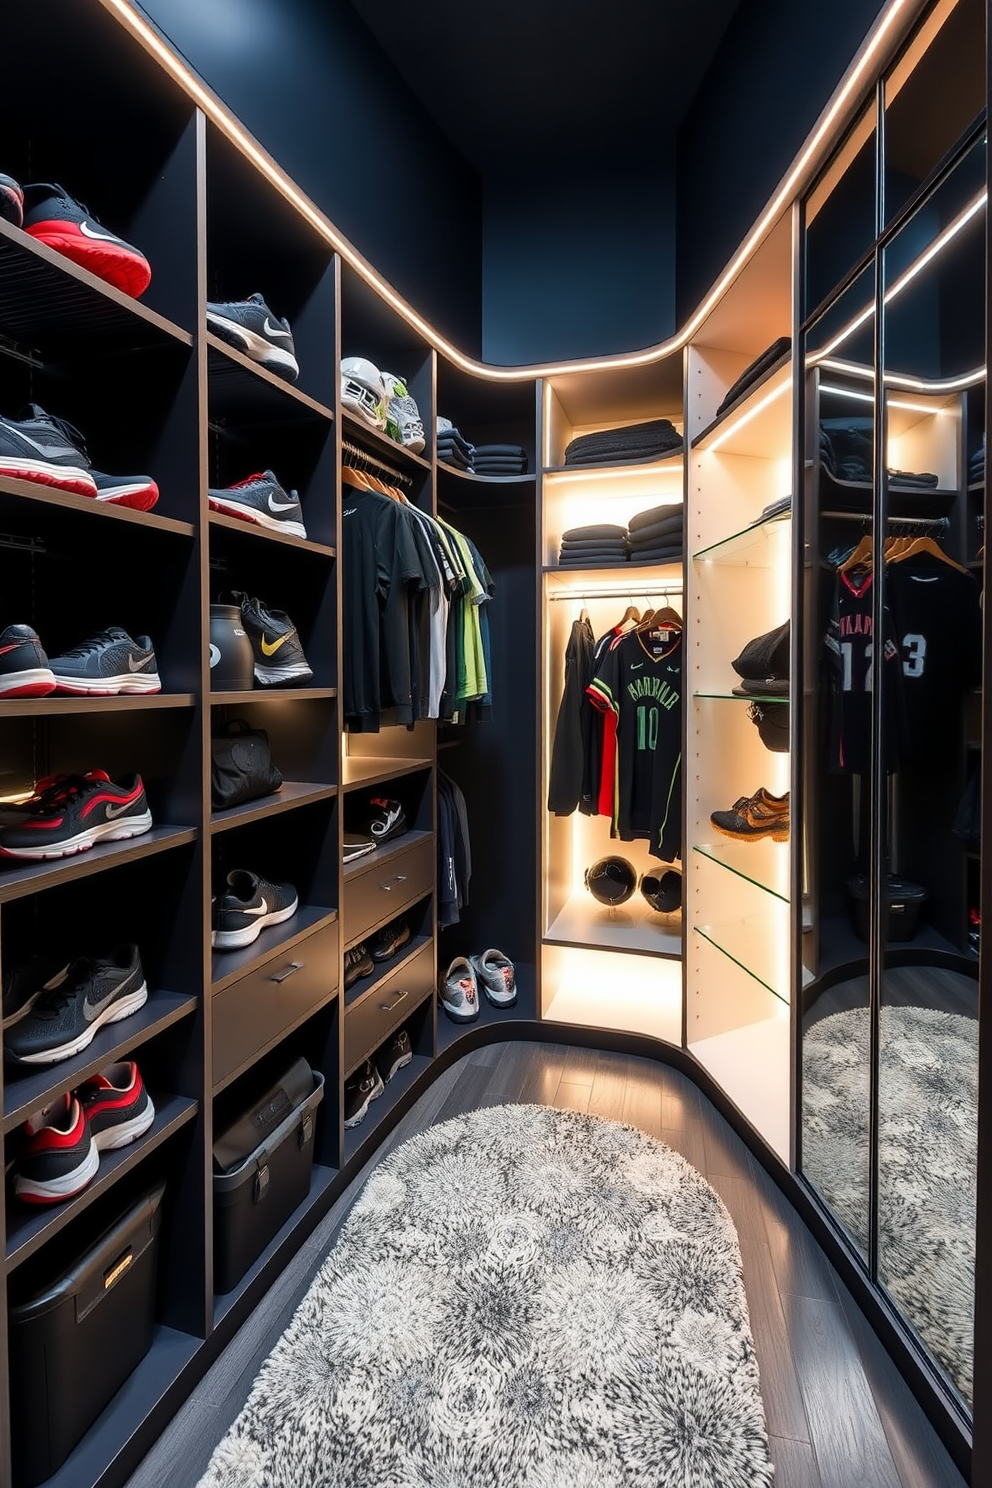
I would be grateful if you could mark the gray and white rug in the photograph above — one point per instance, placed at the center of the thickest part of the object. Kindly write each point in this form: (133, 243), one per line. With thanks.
(521, 1297)
(928, 1114)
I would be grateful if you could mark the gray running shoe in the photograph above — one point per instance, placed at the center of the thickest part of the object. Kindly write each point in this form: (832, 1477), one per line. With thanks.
(403, 421)
(460, 991)
(497, 977)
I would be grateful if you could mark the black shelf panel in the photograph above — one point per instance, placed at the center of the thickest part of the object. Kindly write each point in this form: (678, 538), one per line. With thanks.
(354, 430)
(392, 850)
(525, 1008)
(739, 402)
(358, 1136)
(291, 794)
(28, 1089)
(230, 966)
(29, 1229)
(59, 512)
(241, 391)
(54, 306)
(266, 534)
(55, 705)
(287, 694)
(274, 1042)
(385, 968)
(31, 878)
(359, 770)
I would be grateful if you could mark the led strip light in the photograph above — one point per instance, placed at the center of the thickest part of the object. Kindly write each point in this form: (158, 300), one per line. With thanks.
(229, 125)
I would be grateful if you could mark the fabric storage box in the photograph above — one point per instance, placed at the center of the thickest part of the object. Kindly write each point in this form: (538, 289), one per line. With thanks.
(904, 901)
(75, 1341)
(262, 1168)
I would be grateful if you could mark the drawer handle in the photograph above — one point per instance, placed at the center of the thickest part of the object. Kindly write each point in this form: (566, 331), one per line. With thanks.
(280, 976)
(387, 1007)
(387, 887)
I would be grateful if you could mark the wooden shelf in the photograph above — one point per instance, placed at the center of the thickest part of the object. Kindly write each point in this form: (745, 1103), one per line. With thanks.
(372, 769)
(385, 968)
(31, 878)
(470, 477)
(291, 794)
(241, 391)
(740, 403)
(373, 861)
(284, 694)
(53, 506)
(377, 443)
(230, 966)
(58, 706)
(253, 530)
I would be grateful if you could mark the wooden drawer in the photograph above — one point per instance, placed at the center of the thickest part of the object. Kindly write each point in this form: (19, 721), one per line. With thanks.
(252, 1013)
(386, 888)
(385, 1006)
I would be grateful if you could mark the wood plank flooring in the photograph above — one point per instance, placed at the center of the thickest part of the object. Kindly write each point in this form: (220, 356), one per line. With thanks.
(839, 1414)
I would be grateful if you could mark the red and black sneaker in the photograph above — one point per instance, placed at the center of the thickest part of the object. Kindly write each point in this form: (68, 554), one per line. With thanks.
(117, 1106)
(24, 669)
(76, 813)
(55, 218)
(59, 1157)
(11, 201)
(139, 492)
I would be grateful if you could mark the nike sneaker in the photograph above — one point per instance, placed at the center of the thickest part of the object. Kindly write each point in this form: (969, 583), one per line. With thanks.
(395, 1054)
(261, 499)
(496, 974)
(279, 656)
(95, 991)
(117, 1106)
(48, 450)
(459, 991)
(247, 905)
(250, 327)
(24, 667)
(385, 943)
(385, 820)
(139, 492)
(403, 421)
(360, 1089)
(25, 983)
(11, 201)
(753, 817)
(55, 218)
(357, 965)
(77, 812)
(107, 664)
(59, 1157)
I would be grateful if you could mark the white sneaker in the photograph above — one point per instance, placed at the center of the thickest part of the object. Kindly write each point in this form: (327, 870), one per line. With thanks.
(460, 992)
(495, 972)
(403, 421)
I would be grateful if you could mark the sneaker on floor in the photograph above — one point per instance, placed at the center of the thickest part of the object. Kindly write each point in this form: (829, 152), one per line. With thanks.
(11, 201)
(106, 665)
(47, 450)
(55, 218)
(360, 1089)
(95, 991)
(274, 640)
(247, 905)
(357, 845)
(77, 812)
(28, 981)
(25, 670)
(59, 1157)
(357, 965)
(139, 492)
(403, 421)
(117, 1106)
(250, 326)
(262, 500)
(395, 1054)
(385, 943)
(753, 817)
(460, 991)
(497, 977)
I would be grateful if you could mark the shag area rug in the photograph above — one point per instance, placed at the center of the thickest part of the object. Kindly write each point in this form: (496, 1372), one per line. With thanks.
(927, 1119)
(521, 1297)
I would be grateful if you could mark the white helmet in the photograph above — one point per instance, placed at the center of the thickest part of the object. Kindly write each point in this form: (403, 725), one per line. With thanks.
(362, 390)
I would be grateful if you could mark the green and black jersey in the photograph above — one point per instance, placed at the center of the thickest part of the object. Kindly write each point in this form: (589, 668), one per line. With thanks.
(639, 680)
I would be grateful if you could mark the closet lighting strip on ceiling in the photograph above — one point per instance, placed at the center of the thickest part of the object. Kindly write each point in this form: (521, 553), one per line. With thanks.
(804, 165)
(902, 403)
(903, 379)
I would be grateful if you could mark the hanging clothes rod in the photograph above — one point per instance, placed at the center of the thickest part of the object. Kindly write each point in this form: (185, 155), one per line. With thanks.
(666, 592)
(362, 460)
(941, 524)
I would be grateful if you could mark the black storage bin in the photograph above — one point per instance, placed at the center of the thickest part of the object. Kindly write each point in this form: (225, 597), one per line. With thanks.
(74, 1342)
(904, 904)
(255, 1198)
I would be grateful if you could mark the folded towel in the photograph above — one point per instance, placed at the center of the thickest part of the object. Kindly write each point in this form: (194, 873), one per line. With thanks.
(664, 553)
(674, 511)
(644, 441)
(576, 562)
(602, 529)
(502, 449)
(646, 537)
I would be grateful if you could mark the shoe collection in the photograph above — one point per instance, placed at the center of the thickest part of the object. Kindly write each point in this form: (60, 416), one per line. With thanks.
(459, 992)
(50, 215)
(104, 665)
(362, 960)
(61, 1144)
(373, 1075)
(71, 813)
(52, 1013)
(754, 817)
(246, 907)
(383, 401)
(381, 820)
(260, 499)
(251, 328)
(49, 451)
(612, 881)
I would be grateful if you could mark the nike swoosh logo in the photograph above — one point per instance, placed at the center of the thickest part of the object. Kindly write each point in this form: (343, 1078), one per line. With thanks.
(98, 237)
(139, 665)
(635, 666)
(261, 910)
(271, 650)
(268, 329)
(114, 811)
(280, 505)
(50, 451)
(214, 655)
(93, 1010)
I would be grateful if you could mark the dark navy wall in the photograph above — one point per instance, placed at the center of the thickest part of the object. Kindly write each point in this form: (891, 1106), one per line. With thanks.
(775, 69)
(312, 85)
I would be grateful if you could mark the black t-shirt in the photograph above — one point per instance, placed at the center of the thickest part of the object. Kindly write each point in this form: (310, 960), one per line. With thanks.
(938, 624)
(381, 563)
(639, 680)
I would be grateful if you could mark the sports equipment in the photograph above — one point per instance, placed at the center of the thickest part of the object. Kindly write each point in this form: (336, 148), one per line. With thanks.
(39, 447)
(247, 905)
(611, 880)
(360, 1089)
(139, 492)
(251, 328)
(55, 218)
(395, 1054)
(75, 813)
(403, 421)
(11, 201)
(663, 891)
(117, 1106)
(24, 668)
(496, 974)
(64, 1021)
(276, 646)
(59, 1157)
(232, 660)
(363, 391)
(106, 665)
(459, 991)
(752, 817)
(262, 500)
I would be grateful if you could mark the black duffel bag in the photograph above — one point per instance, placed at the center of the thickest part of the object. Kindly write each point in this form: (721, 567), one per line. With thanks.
(241, 766)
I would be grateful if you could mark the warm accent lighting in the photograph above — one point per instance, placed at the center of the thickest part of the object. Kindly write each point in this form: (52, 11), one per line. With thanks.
(737, 424)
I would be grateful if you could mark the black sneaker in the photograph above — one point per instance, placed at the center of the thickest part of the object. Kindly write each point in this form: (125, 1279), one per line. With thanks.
(247, 905)
(64, 1021)
(11, 201)
(107, 664)
(260, 499)
(360, 1089)
(394, 1055)
(250, 326)
(55, 218)
(386, 942)
(357, 845)
(76, 813)
(25, 983)
(59, 1157)
(47, 450)
(357, 964)
(24, 667)
(279, 656)
(385, 819)
(139, 492)
(117, 1106)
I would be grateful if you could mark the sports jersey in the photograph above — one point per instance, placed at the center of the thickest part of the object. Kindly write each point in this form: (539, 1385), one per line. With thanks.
(639, 680)
(850, 647)
(938, 624)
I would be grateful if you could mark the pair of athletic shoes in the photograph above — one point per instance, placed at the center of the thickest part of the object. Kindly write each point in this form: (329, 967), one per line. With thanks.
(383, 401)
(61, 1144)
(105, 665)
(46, 450)
(459, 991)
(47, 213)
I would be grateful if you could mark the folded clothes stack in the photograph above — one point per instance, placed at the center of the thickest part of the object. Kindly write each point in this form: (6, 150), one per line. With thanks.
(633, 442)
(847, 450)
(656, 536)
(755, 372)
(500, 459)
(453, 448)
(777, 508)
(598, 546)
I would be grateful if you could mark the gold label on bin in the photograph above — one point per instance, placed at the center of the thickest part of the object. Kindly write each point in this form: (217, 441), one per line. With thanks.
(117, 1270)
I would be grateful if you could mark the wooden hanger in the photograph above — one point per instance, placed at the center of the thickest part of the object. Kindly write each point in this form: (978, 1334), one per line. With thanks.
(927, 545)
(862, 556)
(631, 614)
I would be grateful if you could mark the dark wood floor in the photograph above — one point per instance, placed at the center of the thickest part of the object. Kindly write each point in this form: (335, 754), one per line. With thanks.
(838, 1413)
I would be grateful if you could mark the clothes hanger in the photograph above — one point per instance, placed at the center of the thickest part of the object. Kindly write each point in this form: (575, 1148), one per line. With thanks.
(631, 615)
(862, 555)
(927, 545)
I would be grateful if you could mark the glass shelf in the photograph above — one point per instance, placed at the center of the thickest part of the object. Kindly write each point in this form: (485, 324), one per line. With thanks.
(764, 864)
(758, 944)
(755, 546)
(743, 697)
